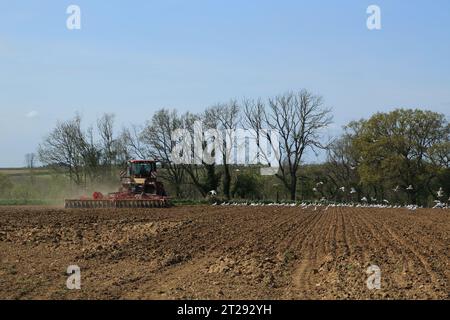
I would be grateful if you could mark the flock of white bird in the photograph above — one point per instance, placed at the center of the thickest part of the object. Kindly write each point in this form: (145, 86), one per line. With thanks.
(363, 204)
(317, 205)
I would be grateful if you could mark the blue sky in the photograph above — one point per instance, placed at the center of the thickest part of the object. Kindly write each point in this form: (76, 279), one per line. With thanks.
(133, 57)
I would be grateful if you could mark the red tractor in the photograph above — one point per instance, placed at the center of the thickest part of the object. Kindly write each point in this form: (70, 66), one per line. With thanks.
(140, 189)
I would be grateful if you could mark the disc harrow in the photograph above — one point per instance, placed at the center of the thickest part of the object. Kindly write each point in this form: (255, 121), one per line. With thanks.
(139, 188)
(128, 203)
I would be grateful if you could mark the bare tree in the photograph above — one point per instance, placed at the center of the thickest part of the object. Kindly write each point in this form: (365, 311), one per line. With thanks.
(30, 159)
(132, 144)
(254, 119)
(225, 119)
(299, 119)
(113, 149)
(64, 148)
(123, 147)
(157, 135)
(92, 154)
(105, 126)
(202, 174)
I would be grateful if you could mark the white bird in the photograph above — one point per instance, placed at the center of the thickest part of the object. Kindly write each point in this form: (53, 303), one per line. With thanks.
(373, 199)
(315, 189)
(439, 205)
(342, 189)
(353, 190)
(396, 189)
(319, 183)
(385, 201)
(352, 167)
(440, 192)
(364, 199)
(212, 193)
(410, 187)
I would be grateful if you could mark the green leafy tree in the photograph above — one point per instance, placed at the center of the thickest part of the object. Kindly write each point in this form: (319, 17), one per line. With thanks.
(396, 148)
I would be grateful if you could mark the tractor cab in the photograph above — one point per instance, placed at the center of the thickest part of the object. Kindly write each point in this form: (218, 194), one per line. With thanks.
(141, 169)
(140, 178)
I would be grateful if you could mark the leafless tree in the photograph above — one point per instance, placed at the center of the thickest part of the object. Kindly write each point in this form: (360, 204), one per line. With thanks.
(124, 147)
(105, 126)
(116, 150)
(299, 118)
(254, 119)
(92, 154)
(132, 144)
(224, 118)
(157, 135)
(64, 148)
(30, 160)
(202, 174)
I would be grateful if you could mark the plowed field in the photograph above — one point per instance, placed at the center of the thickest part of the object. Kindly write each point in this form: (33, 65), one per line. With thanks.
(203, 252)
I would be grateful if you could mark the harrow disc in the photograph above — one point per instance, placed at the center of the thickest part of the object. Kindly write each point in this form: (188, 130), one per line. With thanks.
(129, 203)
(88, 204)
(143, 203)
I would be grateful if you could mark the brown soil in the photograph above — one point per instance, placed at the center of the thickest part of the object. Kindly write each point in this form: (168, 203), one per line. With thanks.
(205, 252)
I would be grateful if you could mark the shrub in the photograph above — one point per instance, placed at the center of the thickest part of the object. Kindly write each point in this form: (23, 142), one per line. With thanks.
(247, 186)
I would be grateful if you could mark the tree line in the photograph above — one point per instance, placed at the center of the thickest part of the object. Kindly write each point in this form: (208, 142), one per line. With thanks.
(402, 155)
